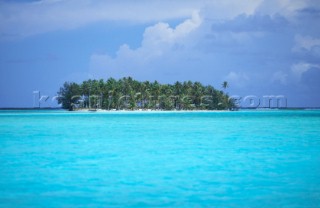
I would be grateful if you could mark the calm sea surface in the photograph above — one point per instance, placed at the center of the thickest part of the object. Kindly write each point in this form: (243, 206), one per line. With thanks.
(152, 159)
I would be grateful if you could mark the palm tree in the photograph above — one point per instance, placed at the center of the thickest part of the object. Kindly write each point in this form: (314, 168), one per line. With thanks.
(225, 85)
(126, 92)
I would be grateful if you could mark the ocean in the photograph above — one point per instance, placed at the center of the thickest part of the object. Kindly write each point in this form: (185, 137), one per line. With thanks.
(160, 159)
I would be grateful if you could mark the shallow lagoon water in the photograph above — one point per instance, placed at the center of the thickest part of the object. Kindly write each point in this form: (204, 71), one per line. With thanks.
(160, 159)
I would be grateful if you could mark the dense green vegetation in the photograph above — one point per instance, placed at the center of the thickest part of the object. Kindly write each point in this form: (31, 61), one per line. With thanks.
(127, 93)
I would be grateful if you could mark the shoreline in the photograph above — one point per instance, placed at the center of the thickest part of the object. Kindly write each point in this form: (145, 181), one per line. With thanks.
(152, 110)
(142, 111)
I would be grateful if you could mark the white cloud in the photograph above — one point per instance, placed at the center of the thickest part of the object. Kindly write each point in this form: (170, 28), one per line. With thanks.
(300, 68)
(305, 43)
(162, 33)
(280, 76)
(158, 40)
(217, 10)
(286, 8)
(238, 79)
(189, 46)
(25, 19)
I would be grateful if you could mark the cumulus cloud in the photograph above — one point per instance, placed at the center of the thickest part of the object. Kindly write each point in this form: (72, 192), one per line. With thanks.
(254, 44)
(299, 69)
(162, 33)
(158, 41)
(307, 44)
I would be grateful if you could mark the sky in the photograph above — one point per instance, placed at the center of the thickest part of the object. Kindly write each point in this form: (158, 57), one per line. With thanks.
(260, 47)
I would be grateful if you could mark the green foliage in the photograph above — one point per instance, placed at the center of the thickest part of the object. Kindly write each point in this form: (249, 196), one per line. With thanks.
(127, 93)
(69, 94)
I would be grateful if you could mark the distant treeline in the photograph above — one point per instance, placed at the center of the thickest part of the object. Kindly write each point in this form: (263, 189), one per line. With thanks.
(130, 94)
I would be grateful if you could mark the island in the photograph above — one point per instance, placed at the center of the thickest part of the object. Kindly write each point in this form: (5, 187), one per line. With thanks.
(129, 94)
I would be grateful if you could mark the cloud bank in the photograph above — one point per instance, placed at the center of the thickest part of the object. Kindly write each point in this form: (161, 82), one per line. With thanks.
(43, 16)
(258, 46)
(261, 48)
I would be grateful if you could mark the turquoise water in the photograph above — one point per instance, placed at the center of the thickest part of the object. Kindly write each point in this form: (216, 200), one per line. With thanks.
(195, 159)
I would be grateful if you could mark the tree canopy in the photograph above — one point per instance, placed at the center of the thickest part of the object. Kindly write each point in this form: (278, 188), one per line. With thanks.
(130, 94)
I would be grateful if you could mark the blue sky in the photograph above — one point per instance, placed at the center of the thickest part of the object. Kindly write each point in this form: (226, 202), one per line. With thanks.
(261, 47)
